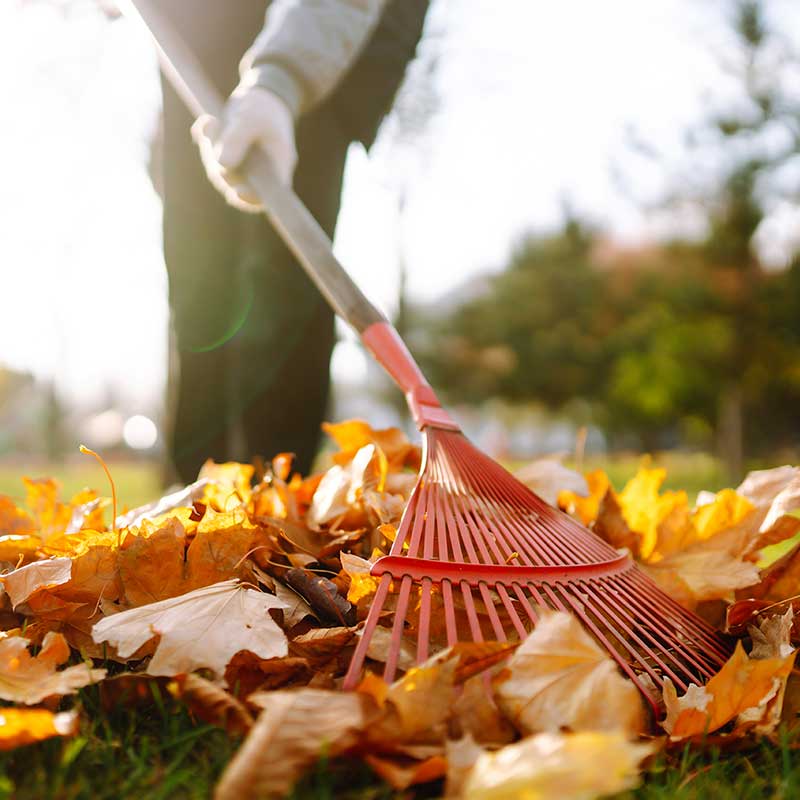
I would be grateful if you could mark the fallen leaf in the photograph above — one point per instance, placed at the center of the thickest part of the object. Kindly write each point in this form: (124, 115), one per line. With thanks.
(586, 507)
(203, 628)
(750, 688)
(182, 497)
(400, 771)
(209, 703)
(558, 766)
(21, 583)
(291, 733)
(151, 564)
(21, 726)
(548, 477)
(30, 679)
(14, 521)
(702, 573)
(462, 754)
(560, 677)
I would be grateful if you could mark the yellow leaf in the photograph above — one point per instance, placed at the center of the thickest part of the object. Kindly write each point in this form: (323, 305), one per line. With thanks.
(645, 510)
(560, 677)
(727, 510)
(230, 483)
(21, 726)
(557, 766)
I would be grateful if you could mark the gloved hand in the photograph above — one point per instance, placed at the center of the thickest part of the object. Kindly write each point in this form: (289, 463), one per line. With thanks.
(253, 115)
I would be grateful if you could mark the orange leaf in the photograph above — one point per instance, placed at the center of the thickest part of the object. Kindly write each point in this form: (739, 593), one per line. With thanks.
(21, 726)
(742, 684)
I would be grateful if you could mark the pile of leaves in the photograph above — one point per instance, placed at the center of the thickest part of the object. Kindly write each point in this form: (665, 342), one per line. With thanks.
(244, 595)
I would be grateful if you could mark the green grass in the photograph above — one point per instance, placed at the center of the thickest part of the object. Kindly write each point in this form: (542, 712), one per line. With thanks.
(137, 482)
(159, 753)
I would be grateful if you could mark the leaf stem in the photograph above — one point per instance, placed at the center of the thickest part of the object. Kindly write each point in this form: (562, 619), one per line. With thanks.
(88, 451)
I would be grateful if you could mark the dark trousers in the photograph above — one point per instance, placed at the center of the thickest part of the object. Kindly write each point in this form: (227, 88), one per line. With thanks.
(252, 335)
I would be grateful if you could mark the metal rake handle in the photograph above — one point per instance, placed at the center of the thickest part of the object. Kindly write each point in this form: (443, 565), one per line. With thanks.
(293, 221)
(297, 227)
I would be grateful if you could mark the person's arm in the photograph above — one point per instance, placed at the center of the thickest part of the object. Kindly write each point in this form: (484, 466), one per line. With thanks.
(306, 46)
(299, 57)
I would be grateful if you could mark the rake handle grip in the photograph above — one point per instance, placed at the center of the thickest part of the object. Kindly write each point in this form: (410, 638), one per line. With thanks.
(284, 209)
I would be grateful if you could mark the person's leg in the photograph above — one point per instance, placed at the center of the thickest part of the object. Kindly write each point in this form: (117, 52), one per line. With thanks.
(208, 299)
(287, 340)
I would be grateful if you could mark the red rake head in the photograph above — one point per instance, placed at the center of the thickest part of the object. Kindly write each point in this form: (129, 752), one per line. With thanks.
(478, 552)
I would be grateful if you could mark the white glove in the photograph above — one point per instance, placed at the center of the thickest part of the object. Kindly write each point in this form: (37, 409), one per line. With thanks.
(252, 116)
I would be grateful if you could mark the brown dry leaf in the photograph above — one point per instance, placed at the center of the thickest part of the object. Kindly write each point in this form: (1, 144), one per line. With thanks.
(209, 703)
(28, 679)
(21, 726)
(294, 729)
(21, 583)
(247, 673)
(561, 678)
(610, 525)
(549, 478)
(401, 771)
(702, 573)
(557, 766)
(204, 628)
(339, 492)
(476, 714)
(750, 689)
(461, 757)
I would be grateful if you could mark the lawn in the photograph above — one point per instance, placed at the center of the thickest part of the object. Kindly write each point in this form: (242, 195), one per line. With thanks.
(157, 751)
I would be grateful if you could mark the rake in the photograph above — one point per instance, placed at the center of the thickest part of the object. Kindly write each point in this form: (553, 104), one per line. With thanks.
(477, 554)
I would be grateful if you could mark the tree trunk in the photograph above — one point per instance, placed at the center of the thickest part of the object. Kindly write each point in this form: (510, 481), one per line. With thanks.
(730, 431)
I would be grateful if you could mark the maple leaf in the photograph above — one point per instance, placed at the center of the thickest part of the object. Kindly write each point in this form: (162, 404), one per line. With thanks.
(30, 679)
(228, 485)
(203, 628)
(14, 521)
(558, 766)
(354, 434)
(560, 677)
(290, 734)
(747, 688)
(21, 726)
(151, 566)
